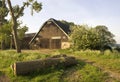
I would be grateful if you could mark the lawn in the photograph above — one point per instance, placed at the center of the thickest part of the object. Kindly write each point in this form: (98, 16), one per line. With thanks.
(82, 72)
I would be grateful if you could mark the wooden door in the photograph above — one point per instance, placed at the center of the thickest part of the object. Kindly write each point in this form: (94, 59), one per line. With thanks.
(44, 43)
(56, 43)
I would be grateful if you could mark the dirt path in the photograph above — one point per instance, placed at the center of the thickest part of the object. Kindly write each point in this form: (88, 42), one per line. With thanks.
(112, 74)
(4, 78)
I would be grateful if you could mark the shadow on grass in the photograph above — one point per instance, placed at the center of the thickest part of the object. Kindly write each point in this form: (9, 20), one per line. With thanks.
(69, 72)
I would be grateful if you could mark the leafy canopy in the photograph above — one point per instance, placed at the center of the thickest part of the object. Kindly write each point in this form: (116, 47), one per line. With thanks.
(85, 37)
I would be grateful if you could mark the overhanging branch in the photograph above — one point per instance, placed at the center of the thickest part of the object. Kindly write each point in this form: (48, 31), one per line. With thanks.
(20, 11)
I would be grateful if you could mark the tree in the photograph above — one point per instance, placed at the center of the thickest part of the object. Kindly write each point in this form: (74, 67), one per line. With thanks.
(3, 14)
(7, 37)
(84, 37)
(15, 14)
(5, 32)
(105, 36)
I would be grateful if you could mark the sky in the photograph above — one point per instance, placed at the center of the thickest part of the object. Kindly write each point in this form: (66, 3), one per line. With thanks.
(90, 12)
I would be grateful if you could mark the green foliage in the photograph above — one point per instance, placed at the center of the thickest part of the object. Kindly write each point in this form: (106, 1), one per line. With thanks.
(0, 3)
(106, 37)
(31, 0)
(37, 6)
(3, 9)
(5, 28)
(21, 32)
(85, 37)
(5, 32)
(16, 10)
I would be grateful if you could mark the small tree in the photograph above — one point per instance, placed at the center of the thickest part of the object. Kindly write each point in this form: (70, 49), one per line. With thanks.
(16, 13)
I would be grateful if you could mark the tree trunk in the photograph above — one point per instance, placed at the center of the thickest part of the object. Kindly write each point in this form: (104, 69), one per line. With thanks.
(14, 27)
(15, 37)
(24, 68)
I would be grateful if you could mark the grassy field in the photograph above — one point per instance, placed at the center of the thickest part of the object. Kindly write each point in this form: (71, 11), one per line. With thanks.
(82, 72)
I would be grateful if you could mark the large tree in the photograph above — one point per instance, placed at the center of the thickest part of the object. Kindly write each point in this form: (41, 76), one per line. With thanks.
(105, 36)
(16, 13)
(85, 37)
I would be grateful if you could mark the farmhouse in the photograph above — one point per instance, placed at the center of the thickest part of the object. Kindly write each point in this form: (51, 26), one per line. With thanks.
(53, 34)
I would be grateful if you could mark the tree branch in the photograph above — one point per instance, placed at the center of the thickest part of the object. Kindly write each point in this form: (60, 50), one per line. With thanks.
(21, 10)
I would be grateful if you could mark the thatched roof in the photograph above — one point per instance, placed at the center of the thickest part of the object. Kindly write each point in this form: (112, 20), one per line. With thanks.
(62, 26)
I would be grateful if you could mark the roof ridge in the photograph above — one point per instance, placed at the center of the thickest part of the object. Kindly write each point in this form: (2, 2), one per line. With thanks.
(51, 19)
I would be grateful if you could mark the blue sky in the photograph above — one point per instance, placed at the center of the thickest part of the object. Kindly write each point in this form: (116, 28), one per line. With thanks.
(91, 12)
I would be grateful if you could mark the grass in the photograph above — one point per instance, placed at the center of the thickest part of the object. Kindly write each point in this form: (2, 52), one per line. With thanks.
(85, 73)
(82, 72)
(107, 60)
